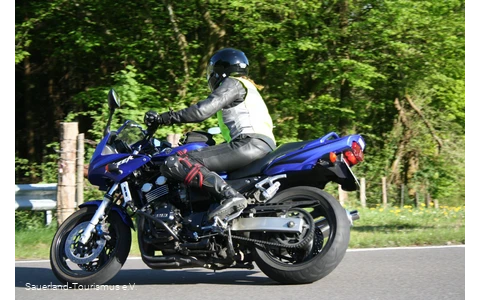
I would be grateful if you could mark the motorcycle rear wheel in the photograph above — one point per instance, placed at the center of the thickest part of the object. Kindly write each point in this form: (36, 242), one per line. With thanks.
(105, 265)
(306, 265)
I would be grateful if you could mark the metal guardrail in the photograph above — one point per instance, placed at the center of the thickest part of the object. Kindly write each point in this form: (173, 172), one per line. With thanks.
(36, 196)
(39, 197)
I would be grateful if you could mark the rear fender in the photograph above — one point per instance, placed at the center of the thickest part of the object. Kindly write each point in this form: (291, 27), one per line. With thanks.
(343, 176)
(120, 211)
(306, 157)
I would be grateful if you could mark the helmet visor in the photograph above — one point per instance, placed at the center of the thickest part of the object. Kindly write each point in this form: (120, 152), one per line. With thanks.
(211, 78)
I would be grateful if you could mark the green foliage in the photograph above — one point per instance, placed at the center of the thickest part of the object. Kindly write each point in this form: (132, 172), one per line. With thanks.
(376, 227)
(91, 192)
(46, 171)
(326, 66)
(34, 243)
(29, 220)
(408, 226)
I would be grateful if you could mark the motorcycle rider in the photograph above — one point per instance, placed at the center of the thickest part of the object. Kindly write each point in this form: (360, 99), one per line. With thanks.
(244, 121)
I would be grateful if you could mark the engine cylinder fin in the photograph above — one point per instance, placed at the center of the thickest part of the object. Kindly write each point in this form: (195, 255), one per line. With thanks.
(157, 193)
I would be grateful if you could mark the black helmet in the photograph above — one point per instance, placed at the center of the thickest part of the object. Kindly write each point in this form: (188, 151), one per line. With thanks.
(223, 63)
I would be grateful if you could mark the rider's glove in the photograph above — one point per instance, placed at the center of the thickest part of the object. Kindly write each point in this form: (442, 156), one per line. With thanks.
(151, 118)
(164, 119)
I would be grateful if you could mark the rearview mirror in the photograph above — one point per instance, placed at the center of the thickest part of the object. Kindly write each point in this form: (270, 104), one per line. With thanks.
(113, 100)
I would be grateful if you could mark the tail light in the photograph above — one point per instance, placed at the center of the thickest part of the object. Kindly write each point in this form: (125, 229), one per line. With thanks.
(355, 155)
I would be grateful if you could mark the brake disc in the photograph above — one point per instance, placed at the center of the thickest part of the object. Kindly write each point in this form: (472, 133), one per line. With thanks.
(86, 254)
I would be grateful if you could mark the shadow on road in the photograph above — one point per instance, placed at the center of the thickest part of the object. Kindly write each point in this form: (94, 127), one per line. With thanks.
(44, 276)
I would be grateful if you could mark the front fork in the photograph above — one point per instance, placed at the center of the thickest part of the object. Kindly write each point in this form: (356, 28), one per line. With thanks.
(99, 214)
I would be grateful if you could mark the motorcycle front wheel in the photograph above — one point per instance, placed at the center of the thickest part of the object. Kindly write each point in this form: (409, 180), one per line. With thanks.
(96, 262)
(325, 250)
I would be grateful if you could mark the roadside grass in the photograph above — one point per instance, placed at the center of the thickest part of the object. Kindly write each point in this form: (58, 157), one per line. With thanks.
(35, 243)
(408, 226)
(376, 228)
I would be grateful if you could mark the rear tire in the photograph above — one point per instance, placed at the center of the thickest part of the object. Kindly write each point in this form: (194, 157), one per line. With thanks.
(325, 252)
(108, 262)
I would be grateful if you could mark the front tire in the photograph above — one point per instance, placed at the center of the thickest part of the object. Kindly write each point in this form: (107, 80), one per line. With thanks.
(105, 264)
(300, 266)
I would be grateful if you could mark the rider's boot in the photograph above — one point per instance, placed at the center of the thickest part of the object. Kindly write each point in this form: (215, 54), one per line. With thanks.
(231, 201)
(181, 167)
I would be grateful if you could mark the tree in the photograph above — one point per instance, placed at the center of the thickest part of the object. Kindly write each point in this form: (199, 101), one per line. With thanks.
(392, 71)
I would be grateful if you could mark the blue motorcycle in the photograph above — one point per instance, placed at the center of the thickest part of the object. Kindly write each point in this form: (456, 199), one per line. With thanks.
(292, 230)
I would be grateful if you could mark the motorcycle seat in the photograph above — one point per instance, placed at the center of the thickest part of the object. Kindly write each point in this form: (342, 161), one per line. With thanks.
(259, 165)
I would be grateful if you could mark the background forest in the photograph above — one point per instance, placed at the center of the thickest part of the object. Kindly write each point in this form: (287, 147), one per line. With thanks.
(391, 70)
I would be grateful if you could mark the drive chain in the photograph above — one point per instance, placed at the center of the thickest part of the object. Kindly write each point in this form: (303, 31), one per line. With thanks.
(291, 246)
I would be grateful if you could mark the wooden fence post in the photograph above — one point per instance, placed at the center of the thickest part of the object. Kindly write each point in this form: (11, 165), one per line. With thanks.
(402, 195)
(66, 171)
(384, 191)
(342, 195)
(80, 163)
(363, 194)
(427, 200)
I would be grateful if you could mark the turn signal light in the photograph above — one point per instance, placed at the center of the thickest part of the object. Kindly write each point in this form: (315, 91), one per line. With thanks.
(333, 157)
(112, 168)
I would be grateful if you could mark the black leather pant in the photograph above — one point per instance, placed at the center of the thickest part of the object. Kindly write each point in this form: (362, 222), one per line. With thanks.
(231, 156)
(198, 168)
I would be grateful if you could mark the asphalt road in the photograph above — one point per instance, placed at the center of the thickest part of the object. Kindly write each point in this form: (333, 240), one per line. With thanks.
(394, 273)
